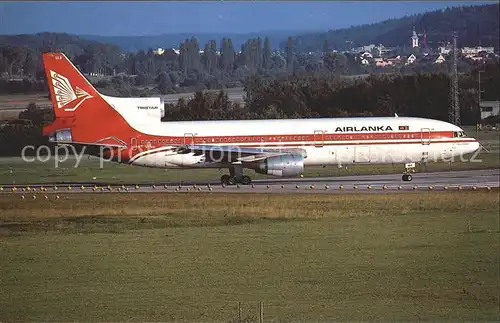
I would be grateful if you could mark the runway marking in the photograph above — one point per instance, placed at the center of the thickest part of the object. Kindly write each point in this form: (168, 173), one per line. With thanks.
(442, 181)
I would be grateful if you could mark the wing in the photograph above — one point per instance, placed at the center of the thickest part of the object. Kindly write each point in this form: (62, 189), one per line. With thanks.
(237, 154)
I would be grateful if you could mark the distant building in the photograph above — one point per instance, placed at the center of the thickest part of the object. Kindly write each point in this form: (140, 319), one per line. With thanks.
(489, 108)
(444, 50)
(411, 59)
(476, 58)
(381, 50)
(394, 60)
(366, 55)
(380, 62)
(367, 48)
(440, 59)
(476, 50)
(414, 39)
(159, 51)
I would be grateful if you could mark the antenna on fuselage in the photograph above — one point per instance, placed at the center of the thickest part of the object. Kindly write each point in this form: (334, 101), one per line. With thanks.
(396, 115)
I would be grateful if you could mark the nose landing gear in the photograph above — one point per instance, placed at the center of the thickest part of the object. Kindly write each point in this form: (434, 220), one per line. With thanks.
(407, 177)
(409, 168)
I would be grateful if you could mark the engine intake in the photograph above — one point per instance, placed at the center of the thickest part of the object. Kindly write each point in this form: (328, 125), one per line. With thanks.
(63, 135)
(285, 165)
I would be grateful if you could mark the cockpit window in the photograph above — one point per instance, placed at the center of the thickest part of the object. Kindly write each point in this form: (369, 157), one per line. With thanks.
(459, 134)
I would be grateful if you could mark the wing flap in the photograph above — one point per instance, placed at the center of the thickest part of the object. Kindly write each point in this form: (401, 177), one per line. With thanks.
(236, 153)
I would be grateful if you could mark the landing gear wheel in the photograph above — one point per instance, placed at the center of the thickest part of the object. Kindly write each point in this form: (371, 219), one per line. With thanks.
(224, 179)
(246, 180)
(407, 177)
(232, 180)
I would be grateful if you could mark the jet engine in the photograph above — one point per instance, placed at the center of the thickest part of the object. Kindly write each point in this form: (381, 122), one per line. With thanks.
(185, 160)
(284, 165)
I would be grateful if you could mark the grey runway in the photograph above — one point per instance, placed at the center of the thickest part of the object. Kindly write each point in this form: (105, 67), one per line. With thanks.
(452, 180)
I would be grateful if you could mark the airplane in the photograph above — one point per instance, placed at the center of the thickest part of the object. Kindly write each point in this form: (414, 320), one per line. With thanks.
(130, 130)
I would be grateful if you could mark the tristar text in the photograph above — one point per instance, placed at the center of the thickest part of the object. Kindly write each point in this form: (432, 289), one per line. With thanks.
(147, 108)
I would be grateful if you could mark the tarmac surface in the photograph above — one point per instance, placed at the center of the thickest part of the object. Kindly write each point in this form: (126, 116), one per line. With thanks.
(438, 181)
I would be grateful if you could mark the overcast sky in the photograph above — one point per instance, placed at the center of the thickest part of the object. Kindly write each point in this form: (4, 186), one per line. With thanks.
(147, 18)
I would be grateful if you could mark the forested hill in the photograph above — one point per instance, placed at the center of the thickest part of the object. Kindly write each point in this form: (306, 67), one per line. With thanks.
(46, 42)
(473, 24)
(74, 43)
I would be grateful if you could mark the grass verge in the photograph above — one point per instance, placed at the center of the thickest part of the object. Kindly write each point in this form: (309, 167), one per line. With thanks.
(166, 257)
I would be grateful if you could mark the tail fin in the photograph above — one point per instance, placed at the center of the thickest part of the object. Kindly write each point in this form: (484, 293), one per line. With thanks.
(82, 114)
(68, 87)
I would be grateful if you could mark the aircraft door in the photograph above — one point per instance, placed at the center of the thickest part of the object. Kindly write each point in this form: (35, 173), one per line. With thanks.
(188, 139)
(318, 138)
(362, 154)
(133, 142)
(425, 135)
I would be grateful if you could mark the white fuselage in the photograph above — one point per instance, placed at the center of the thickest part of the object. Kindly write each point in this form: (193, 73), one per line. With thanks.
(335, 141)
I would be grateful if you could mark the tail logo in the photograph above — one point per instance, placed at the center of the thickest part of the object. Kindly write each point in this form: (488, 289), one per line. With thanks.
(64, 93)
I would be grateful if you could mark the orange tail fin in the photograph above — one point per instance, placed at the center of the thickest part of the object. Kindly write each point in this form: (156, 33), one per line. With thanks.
(82, 115)
(69, 89)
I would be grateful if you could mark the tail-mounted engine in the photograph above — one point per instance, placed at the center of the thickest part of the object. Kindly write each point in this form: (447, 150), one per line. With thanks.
(63, 135)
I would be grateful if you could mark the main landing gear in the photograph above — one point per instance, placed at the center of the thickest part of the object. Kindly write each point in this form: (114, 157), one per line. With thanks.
(235, 177)
(407, 177)
(409, 168)
(232, 180)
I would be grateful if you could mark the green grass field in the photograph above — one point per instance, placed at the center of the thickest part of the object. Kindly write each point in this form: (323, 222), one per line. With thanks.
(171, 257)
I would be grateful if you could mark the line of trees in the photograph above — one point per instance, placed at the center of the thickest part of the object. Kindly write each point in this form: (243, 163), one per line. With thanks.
(217, 64)
(212, 66)
(188, 70)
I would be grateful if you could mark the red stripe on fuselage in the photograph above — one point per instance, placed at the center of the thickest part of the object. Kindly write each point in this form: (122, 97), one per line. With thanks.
(156, 141)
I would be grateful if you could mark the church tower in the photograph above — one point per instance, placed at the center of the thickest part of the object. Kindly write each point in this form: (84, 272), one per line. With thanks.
(414, 39)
